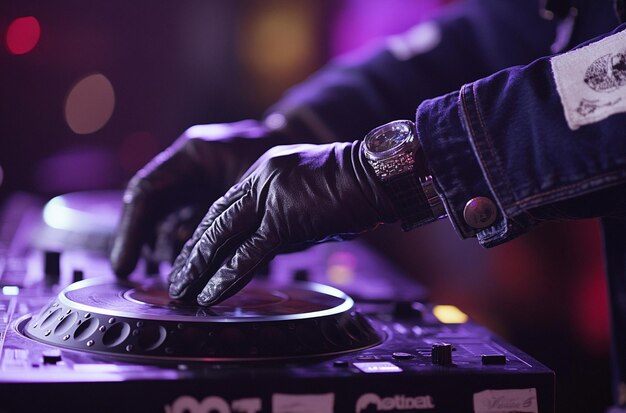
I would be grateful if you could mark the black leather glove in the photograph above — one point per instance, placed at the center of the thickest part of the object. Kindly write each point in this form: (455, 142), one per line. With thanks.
(198, 168)
(293, 196)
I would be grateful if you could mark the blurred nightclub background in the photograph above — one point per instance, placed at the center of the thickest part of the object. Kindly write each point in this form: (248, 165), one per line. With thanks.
(93, 90)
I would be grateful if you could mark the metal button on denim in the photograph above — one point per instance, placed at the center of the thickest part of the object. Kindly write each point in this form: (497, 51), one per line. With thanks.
(480, 212)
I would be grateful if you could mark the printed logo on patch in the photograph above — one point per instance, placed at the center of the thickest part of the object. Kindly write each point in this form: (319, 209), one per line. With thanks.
(591, 81)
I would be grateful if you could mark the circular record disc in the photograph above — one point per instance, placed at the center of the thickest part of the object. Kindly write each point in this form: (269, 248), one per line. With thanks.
(262, 321)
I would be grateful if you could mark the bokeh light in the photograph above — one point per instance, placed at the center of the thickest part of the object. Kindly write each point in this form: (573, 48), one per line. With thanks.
(1, 175)
(279, 40)
(278, 46)
(341, 268)
(23, 35)
(449, 314)
(89, 104)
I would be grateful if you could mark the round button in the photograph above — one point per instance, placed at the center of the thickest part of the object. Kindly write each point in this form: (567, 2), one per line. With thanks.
(480, 212)
(398, 355)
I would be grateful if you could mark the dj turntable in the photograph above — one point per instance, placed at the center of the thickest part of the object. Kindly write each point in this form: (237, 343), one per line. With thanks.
(332, 329)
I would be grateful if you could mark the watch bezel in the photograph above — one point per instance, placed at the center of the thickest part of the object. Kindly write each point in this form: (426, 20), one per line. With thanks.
(407, 143)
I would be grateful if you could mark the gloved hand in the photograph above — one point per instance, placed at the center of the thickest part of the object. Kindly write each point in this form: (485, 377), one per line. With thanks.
(198, 168)
(292, 197)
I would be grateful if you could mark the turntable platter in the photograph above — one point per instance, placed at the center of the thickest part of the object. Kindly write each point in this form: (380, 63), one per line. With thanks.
(262, 321)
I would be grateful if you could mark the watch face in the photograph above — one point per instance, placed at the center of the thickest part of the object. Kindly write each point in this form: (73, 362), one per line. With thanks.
(388, 139)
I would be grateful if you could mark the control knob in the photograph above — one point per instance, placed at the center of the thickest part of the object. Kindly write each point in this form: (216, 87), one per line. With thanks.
(442, 354)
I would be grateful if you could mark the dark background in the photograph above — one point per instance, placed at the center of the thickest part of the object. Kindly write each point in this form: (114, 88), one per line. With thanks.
(175, 64)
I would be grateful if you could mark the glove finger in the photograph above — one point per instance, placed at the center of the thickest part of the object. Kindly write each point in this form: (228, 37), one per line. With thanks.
(227, 230)
(236, 272)
(171, 234)
(165, 178)
(218, 207)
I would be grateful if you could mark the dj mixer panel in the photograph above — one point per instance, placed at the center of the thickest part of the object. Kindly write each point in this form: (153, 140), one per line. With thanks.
(332, 329)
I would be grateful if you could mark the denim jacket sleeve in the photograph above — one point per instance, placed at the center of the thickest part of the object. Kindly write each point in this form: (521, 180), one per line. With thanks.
(506, 137)
(387, 81)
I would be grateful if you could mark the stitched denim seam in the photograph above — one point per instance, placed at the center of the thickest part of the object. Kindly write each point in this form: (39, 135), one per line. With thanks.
(494, 155)
(473, 132)
(577, 188)
(500, 227)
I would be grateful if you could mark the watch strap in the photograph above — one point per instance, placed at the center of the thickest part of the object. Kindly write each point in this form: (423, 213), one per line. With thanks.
(432, 197)
(410, 201)
(402, 164)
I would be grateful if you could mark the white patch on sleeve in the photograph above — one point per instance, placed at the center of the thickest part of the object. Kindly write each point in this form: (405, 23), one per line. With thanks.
(591, 81)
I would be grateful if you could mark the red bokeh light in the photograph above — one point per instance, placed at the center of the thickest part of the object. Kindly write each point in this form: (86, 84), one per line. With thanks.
(23, 35)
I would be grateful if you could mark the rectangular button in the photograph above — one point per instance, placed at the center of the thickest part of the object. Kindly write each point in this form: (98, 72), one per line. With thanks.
(490, 359)
(378, 367)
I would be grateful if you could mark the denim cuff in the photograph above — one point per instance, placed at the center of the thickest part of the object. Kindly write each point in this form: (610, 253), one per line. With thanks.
(447, 127)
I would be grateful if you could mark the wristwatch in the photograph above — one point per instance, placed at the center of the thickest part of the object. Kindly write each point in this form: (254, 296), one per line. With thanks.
(398, 161)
